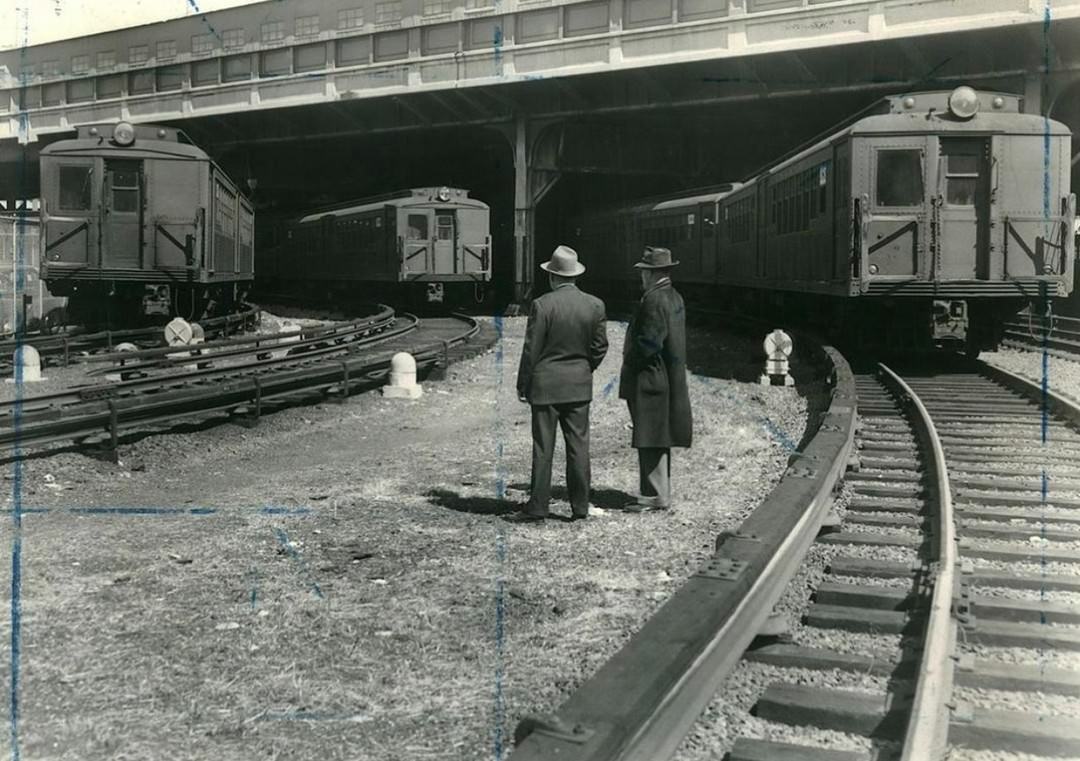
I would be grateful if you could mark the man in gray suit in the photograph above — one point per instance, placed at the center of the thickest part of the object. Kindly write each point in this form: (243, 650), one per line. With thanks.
(565, 340)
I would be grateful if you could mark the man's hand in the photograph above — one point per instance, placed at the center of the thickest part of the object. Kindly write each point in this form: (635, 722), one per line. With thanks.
(523, 398)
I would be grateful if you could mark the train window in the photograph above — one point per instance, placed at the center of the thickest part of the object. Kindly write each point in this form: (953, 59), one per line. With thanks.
(124, 184)
(961, 177)
(75, 188)
(444, 226)
(899, 177)
(418, 227)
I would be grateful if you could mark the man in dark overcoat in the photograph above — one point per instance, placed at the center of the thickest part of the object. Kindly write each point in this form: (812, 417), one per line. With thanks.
(653, 379)
(566, 339)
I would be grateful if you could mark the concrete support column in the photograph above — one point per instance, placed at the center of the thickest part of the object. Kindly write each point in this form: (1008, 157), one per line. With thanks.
(1036, 93)
(524, 215)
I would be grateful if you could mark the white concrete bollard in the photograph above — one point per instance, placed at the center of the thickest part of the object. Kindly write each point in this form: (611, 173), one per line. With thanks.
(402, 383)
(28, 358)
(778, 347)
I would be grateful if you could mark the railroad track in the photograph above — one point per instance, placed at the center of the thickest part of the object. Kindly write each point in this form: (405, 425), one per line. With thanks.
(1060, 336)
(956, 564)
(99, 414)
(75, 344)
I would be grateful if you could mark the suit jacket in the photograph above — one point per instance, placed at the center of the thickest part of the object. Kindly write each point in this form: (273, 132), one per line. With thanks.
(566, 340)
(653, 377)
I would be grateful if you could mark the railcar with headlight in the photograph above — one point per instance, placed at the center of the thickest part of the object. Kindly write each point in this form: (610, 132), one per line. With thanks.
(930, 218)
(137, 221)
(419, 246)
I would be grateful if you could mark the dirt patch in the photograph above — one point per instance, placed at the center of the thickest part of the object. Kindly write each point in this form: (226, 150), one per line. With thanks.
(338, 582)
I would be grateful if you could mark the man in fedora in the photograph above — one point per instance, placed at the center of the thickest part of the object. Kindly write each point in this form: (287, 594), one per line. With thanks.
(653, 379)
(565, 340)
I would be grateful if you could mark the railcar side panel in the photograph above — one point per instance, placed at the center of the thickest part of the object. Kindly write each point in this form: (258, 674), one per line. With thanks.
(176, 195)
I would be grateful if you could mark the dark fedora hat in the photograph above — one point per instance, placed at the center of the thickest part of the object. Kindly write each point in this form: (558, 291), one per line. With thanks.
(563, 262)
(655, 259)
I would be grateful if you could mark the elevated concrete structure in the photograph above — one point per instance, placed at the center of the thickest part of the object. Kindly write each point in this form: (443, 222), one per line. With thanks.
(284, 70)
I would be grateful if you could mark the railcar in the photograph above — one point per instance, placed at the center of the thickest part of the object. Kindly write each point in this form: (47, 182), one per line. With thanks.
(428, 245)
(137, 221)
(929, 218)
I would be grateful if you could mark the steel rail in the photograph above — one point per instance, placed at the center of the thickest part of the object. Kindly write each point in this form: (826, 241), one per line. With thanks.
(76, 340)
(52, 404)
(238, 347)
(641, 703)
(249, 391)
(927, 734)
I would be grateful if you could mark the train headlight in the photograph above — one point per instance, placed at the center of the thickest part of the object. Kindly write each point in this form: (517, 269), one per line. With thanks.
(873, 269)
(963, 102)
(123, 134)
(444, 194)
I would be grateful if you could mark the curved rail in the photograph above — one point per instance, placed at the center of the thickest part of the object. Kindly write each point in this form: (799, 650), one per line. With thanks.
(927, 731)
(248, 388)
(644, 700)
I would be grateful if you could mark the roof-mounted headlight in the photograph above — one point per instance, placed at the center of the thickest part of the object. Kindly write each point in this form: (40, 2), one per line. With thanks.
(444, 194)
(963, 102)
(123, 134)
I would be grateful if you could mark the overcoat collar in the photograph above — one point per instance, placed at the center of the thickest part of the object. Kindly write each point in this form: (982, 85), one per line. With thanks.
(564, 285)
(664, 283)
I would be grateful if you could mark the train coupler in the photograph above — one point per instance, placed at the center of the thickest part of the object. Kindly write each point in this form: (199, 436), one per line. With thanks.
(157, 300)
(949, 320)
(435, 293)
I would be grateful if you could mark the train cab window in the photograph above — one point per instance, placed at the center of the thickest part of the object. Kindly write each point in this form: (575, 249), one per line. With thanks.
(75, 188)
(961, 177)
(444, 226)
(418, 227)
(125, 189)
(899, 177)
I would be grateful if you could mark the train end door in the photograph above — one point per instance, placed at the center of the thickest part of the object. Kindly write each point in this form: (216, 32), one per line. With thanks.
(417, 250)
(445, 252)
(963, 197)
(122, 214)
(894, 224)
(69, 225)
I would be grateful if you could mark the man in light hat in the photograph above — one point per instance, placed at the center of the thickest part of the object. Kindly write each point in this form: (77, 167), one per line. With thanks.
(566, 339)
(653, 379)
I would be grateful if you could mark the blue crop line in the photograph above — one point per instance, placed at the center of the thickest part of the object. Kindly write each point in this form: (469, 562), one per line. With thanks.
(285, 510)
(19, 261)
(145, 510)
(284, 541)
(1045, 485)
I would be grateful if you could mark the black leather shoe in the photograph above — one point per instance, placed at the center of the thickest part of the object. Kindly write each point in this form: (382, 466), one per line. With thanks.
(524, 518)
(575, 517)
(645, 507)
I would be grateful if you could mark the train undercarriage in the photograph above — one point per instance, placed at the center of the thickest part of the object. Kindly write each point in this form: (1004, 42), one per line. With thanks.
(113, 304)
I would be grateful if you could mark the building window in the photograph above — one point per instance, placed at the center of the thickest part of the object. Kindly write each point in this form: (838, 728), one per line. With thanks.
(306, 26)
(350, 18)
(53, 94)
(473, 5)
(166, 49)
(80, 90)
(50, 69)
(232, 38)
(75, 187)
(80, 64)
(436, 7)
(110, 87)
(388, 13)
(140, 82)
(138, 53)
(310, 57)
(272, 31)
(201, 44)
(353, 51)
(106, 60)
(170, 78)
(204, 73)
(235, 68)
(273, 63)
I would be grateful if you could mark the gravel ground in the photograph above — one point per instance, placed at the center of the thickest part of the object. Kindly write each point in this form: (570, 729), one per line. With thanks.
(1063, 375)
(337, 582)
